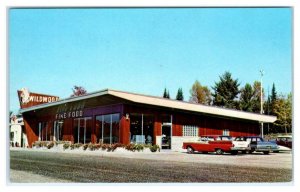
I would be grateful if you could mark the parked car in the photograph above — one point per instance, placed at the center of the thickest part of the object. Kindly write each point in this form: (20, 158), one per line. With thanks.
(259, 145)
(238, 144)
(285, 140)
(207, 144)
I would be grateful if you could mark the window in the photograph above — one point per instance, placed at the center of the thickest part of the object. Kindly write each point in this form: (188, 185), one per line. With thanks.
(190, 130)
(226, 132)
(107, 128)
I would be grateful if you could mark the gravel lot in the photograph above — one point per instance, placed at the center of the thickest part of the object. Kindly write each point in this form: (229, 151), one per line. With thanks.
(104, 167)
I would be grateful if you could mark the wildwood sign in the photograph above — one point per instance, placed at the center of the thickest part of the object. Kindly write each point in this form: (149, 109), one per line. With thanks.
(28, 99)
(70, 114)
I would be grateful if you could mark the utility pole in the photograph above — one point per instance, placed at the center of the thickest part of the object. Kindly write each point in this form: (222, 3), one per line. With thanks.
(261, 101)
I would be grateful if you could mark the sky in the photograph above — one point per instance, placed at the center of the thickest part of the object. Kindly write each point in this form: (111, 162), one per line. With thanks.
(144, 50)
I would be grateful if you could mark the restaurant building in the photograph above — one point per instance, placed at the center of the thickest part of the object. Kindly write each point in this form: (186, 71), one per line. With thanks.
(111, 116)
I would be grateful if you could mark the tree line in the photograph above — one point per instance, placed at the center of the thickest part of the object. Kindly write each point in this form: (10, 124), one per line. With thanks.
(227, 93)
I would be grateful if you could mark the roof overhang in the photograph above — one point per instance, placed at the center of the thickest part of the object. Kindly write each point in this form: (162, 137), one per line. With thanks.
(162, 102)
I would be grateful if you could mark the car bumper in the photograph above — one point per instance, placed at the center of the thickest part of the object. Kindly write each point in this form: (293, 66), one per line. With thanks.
(240, 148)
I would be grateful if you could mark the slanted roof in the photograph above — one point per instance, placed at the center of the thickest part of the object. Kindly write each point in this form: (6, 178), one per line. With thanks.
(163, 102)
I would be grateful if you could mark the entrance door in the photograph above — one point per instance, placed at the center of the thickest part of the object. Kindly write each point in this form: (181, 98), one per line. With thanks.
(166, 137)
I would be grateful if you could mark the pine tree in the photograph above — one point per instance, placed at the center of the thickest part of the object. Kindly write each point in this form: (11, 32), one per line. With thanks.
(179, 95)
(226, 91)
(273, 99)
(246, 98)
(166, 94)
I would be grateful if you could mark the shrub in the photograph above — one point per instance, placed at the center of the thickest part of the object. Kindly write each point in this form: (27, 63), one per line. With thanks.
(130, 147)
(85, 146)
(104, 146)
(50, 145)
(77, 145)
(139, 147)
(72, 146)
(154, 148)
(66, 146)
(91, 146)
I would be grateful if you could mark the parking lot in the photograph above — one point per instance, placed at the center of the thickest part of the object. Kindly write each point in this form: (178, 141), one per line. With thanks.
(132, 167)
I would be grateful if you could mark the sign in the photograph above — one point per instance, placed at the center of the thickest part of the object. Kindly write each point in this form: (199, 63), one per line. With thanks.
(70, 114)
(28, 99)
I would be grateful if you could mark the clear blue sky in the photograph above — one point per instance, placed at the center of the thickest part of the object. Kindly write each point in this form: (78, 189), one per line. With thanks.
(145, 50)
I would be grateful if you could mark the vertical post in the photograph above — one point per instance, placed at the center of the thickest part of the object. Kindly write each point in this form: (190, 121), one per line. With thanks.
(39, 131)
(84, 130)
(261, 101)
(78, 127)
(110, 134)
(54, 131)
(142, 127)
(102, 126)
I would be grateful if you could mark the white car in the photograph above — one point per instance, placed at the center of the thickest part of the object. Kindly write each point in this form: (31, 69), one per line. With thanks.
(238, 144)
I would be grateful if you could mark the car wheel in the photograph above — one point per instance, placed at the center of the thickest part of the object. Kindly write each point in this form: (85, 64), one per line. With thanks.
(219, 151)
(266, 152)
(190, 150)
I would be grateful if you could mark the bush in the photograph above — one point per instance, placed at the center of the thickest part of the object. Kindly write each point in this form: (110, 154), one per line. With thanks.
(104, 147)
(50, 145)
(154, 148)
(77, 145)
(66, 146)
(72, 146)
(130, 147)
(91, 146)
(85, 146)
(139, 147)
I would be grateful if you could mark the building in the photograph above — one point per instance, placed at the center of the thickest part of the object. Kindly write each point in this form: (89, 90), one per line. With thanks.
(18, 137)
(111, 116)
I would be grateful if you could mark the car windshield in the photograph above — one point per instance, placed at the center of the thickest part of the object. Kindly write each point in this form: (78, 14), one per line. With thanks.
(240, 139)
(226, 138)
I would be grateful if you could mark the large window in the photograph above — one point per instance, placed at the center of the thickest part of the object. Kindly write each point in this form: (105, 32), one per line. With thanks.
(57, 130)
(190, 130)
(82, 130)
(44, 131)
(141, 128)
(107, 128)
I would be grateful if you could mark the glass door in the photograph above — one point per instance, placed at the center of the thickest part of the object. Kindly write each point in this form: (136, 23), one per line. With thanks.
(166, 137)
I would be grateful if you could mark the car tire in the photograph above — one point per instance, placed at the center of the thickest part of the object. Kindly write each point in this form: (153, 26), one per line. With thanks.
(219, 152)
(190, 150)
(266, 152)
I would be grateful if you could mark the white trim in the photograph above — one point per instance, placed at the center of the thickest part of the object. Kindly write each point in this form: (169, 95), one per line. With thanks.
(163, 102)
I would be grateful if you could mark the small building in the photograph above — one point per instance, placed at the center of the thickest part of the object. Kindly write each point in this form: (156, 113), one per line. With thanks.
(17, 132)
(111, 116)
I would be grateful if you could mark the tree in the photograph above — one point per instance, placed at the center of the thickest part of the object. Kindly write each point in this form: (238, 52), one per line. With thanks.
(166, 94)
(226, 91)
(246, 98)
(283, 111)
(179, 95)
(78, 91)
(200, 94)
(257, 96)
(273, 99)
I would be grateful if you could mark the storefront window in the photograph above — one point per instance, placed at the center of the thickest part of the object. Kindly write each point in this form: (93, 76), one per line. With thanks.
(107, 128)
(82, 130)
(58, 130)
(141, 128)
(44, 131)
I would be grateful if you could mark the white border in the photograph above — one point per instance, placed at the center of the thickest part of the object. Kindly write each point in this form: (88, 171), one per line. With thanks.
(138, 3)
